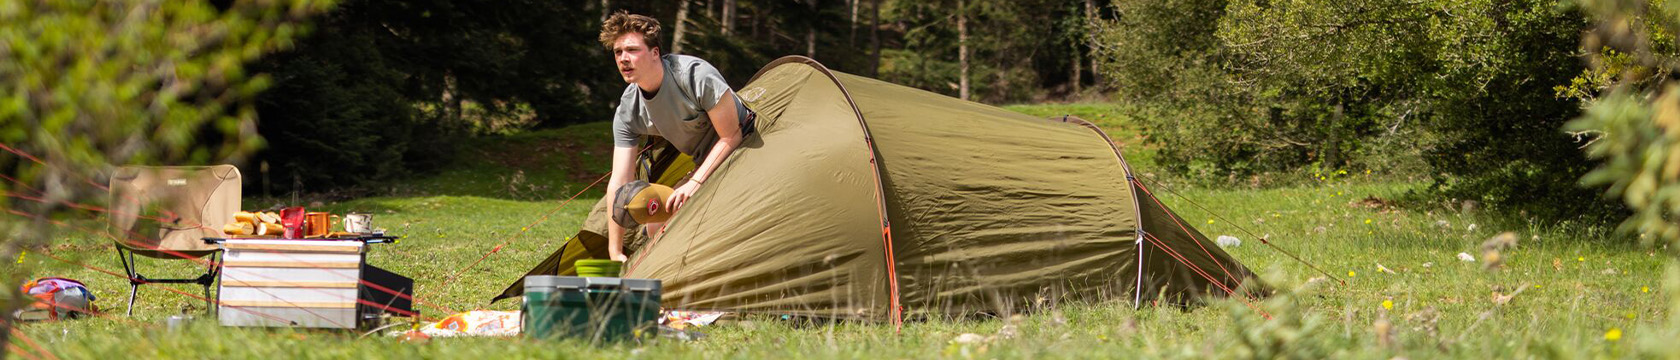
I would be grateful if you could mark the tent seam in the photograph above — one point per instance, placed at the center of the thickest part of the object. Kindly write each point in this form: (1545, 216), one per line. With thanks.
(1137, 215)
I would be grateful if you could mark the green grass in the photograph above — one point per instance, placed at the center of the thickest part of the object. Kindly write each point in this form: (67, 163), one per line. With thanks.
(1112, 118)
(1574, 287)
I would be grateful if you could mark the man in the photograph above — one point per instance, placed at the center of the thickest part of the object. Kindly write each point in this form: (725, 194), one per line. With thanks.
(679, 98)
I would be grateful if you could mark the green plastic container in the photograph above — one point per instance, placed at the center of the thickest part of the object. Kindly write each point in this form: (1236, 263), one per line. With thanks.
(599, 268)
(600, 309)
(549, 311)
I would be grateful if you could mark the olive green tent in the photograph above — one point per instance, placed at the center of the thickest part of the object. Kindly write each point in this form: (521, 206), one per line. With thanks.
(868, 200)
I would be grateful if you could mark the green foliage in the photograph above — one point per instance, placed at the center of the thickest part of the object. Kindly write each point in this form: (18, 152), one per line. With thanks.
(388, 88)
(1459, 91)
(1635, 124)
(1002, 67)
(1165, 57)
(1278, 328)
(1497, 120)
(91, 85)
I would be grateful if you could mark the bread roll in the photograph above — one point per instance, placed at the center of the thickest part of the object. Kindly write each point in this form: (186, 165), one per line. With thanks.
(271, 229)
(269, 217)
(245, 217)
(238, 228)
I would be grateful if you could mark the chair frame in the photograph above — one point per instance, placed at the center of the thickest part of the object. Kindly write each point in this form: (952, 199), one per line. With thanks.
(207, 280)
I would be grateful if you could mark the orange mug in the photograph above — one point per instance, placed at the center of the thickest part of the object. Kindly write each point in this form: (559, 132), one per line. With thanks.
(317, 224)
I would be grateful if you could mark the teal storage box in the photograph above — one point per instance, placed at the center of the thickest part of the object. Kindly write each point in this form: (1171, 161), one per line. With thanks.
(594, 308)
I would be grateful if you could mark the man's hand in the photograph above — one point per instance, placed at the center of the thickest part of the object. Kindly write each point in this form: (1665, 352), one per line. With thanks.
(619, 257)
(681, 194)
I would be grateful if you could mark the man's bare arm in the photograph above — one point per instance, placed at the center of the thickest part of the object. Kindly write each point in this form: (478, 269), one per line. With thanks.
(623, 169)
(726, 121)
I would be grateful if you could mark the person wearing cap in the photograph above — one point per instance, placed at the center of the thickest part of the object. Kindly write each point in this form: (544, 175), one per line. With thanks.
(679, 98)
(640, 202)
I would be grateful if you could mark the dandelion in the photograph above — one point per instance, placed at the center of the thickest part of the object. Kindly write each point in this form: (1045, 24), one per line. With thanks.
(1613, 335)
(1536, 286)
(1367, 221)
(1645, 289)
(1367, 171)
(1580, 258)
(1338, 193)
(1388, 304)
(1210, 221)
(1351, 274)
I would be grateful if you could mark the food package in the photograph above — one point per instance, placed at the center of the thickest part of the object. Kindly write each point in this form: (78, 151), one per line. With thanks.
(238, 228)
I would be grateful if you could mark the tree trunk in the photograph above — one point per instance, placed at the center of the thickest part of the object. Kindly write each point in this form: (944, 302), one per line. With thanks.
(1331, 152)
(851, 38)
(1077, 62)
(811, 31)
(682, 23)
(606, 9)
(1090, 19)
(728, 16)
(711, 11)
(758, 23)
(875, 38)
(452, 98)
(962, 50)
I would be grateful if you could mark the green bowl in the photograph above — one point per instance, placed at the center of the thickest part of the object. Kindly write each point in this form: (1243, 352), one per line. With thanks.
(599, 268)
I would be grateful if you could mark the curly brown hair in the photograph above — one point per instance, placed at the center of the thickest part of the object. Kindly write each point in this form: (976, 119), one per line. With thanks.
(624, 22)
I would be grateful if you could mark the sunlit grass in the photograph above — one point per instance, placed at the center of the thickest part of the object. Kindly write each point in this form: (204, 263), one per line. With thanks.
(1560, 291)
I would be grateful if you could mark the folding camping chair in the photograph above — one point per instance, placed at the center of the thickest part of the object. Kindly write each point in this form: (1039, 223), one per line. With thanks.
(165, 213)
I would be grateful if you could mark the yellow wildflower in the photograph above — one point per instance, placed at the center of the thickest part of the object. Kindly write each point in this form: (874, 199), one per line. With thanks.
(1350, 274)
(1388, 304)
(1613, 335)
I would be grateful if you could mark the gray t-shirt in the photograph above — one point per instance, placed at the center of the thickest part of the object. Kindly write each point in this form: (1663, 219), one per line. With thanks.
(669, 114)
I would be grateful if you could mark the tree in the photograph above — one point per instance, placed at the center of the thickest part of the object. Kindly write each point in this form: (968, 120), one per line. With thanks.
(1633, 116)
(1464, 86)
(94, 85)
(962, 50)
(682, 23)
(355, 104)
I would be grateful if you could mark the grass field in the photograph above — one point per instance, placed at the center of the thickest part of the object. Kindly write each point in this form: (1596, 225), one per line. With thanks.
(1563, 292)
